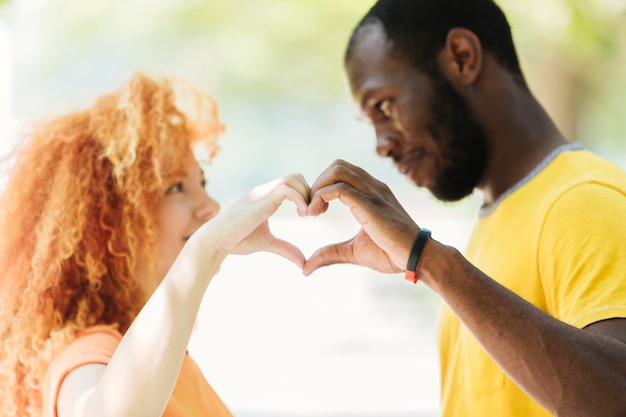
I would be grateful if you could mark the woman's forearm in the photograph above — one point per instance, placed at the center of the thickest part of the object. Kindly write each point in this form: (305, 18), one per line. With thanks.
(142, 373)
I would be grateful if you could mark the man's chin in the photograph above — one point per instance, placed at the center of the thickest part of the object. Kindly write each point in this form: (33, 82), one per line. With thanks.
(449, 195)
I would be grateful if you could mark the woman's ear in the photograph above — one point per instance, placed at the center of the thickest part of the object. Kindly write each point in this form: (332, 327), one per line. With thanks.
(461, 58)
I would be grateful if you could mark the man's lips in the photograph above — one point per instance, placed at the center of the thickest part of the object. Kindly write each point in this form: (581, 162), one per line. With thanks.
(406, 168)
(409, 165)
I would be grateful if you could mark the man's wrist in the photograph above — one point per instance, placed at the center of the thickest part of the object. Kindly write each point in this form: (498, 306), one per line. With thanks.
(410, 274)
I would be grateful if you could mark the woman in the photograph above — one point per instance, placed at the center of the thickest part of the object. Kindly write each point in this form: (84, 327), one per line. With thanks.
(109, 242)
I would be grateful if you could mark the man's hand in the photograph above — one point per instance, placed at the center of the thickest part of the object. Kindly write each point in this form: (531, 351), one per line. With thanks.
(387, 231)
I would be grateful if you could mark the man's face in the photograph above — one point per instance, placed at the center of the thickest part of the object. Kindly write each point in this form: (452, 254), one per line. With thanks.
(421, 122)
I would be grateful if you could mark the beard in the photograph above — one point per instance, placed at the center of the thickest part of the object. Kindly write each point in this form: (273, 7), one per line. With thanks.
(462, 141)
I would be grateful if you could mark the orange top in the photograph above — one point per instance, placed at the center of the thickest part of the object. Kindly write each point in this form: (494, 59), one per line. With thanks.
(192, 396)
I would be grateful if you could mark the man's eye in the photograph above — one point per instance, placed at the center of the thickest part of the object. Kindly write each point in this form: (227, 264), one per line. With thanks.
(176, 188)
(384, 106)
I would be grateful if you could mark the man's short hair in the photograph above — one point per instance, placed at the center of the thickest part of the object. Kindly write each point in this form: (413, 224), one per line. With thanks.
(417, 29)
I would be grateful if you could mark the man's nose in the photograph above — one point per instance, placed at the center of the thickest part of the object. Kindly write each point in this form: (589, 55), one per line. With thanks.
(386, 144)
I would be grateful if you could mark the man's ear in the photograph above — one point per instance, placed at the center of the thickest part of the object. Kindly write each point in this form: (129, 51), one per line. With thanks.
(461, 58)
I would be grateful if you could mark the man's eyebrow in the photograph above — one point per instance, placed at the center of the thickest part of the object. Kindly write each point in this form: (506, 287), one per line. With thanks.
(365, 98)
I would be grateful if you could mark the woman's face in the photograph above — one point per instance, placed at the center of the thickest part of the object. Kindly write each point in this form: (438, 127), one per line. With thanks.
(184, 207)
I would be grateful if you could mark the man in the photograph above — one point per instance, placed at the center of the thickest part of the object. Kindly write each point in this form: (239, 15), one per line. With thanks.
(534, 321)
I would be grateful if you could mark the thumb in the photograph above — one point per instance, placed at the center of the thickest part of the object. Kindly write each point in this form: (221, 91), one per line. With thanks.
(336, 253)
(288, 251)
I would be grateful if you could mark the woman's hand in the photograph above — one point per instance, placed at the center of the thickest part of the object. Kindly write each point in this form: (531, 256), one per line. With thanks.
(243, 227)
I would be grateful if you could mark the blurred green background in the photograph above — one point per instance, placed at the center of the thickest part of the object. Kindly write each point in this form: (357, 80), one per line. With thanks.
(275, 67)
(345, 341)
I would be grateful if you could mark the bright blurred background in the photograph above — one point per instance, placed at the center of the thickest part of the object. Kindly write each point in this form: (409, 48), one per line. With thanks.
(345, 341)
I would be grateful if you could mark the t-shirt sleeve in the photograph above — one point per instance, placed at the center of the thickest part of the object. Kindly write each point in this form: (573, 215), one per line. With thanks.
(583, 255)
(95, 345)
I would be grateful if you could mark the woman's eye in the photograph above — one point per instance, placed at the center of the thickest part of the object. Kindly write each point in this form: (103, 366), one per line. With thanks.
(176, 188)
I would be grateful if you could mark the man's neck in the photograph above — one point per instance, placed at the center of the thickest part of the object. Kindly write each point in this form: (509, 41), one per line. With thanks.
(521, 136)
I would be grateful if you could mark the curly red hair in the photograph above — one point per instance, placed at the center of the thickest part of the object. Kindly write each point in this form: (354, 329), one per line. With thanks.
(78, 221)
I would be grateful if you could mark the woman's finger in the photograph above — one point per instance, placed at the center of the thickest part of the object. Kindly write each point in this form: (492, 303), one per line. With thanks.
(288, 251)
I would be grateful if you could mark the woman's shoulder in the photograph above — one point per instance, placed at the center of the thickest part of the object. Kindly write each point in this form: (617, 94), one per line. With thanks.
(93, 345)
(99, 330)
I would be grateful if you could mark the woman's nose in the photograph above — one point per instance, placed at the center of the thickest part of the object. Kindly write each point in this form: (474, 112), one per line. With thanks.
(206, 207)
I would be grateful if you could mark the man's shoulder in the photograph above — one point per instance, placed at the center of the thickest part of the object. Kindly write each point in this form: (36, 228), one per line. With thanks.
(586, 167)
(585, 184)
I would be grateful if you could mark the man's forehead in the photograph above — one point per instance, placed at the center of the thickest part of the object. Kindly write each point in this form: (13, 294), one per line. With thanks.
(372, 66)
(370, 41)
(368, 54)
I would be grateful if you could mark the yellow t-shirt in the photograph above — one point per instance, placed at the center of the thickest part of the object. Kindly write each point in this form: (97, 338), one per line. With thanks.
(559, 242)
(192, 396)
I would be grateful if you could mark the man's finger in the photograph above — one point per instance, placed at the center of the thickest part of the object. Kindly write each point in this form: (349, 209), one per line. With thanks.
(336, 253)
